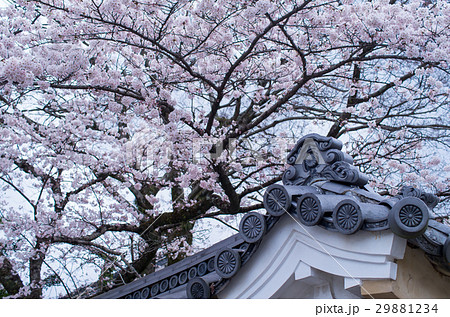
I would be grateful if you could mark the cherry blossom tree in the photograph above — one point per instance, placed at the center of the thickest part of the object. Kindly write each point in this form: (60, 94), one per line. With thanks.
(125, 123)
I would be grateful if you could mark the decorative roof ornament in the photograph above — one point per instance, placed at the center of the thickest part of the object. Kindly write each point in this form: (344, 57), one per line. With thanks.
(322, 187)
(316, 157)
(429, 199)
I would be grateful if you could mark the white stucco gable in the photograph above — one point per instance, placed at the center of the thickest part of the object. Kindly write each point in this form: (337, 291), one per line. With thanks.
(297, 261)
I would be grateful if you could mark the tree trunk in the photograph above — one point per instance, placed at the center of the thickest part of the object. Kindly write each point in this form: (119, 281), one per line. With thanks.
(8, 277)
(35, 273)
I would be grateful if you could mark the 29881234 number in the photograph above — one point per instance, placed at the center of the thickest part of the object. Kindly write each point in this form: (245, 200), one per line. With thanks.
(406, 308)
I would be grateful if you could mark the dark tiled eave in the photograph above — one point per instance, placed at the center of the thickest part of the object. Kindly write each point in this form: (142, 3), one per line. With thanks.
(183, 266)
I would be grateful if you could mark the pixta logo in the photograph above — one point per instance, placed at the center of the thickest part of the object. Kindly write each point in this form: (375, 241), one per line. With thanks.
(310, 154)
(337, 309)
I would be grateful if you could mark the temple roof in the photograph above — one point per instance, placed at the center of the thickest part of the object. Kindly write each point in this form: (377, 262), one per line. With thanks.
(324, 226)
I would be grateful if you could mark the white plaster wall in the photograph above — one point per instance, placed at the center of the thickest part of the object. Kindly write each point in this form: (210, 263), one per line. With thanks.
(296, 261)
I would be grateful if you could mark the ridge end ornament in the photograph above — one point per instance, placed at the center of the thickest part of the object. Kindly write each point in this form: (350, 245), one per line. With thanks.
(316, 157)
